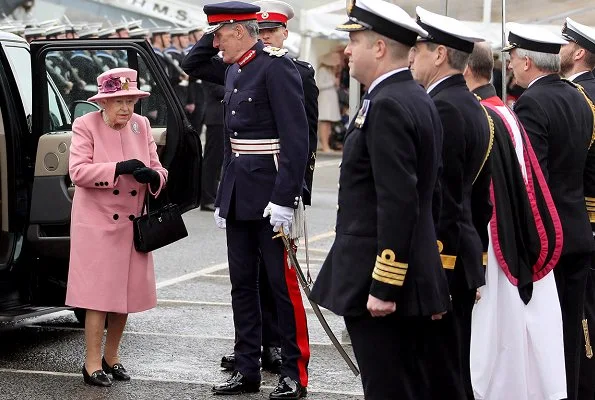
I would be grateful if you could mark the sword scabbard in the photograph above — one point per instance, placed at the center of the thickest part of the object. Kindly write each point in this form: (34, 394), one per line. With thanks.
(588, 348)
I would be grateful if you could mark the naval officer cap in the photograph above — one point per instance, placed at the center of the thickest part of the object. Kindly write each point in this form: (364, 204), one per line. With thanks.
(228, 12)
(447, 31)
(384, 18)
(580, 34)
(273, 14)
(533, 38)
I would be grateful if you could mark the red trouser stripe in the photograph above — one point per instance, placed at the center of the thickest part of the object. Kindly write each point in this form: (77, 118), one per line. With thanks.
(301, 324)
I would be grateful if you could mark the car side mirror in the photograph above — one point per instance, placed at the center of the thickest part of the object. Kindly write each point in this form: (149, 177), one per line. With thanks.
(82, 107)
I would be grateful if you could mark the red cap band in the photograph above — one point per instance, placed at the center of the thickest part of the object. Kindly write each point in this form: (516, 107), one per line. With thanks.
(271, 17)
(219, 18)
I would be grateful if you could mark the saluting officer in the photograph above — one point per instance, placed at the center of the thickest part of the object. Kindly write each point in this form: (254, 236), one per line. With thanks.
(559, 123)
(383, 272)
(577, 60)
(272, 26)
(438, 62)
(266, 151)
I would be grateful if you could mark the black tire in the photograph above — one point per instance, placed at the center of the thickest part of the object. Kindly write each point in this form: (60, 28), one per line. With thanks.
(80, 314)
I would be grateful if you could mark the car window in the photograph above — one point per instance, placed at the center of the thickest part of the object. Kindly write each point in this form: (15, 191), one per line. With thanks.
(20, 61)
(59, 120)
(75, 76)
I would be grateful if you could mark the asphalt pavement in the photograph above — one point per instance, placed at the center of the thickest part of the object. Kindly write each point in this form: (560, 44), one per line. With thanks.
(174, 350)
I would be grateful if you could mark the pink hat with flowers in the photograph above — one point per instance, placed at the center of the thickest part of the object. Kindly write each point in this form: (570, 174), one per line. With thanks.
(118, 82)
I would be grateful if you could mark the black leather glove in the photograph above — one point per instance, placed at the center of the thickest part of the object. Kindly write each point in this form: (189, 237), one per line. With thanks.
(128, 166)
(147, 175)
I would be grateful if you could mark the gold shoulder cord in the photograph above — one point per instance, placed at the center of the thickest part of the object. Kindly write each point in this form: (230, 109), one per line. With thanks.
(491, 143)
(591, 105)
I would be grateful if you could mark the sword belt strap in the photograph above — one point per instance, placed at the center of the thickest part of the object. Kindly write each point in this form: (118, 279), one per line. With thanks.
(255, 146)
(448, 262)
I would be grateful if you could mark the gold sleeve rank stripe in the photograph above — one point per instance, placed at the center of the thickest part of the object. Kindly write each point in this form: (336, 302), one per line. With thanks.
(388, 270)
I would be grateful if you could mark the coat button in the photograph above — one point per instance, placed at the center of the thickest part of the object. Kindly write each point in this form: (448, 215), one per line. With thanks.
(116, 192)
(237, 154)
(250, 99)
(106, 183)
(233, 113)
(100, 183)
(133, 193)
(116, 216)
(235, 90)
(131, 217)
(235, 134)
(295, 203)
(96, 183)
(296, 198)
(239, 70)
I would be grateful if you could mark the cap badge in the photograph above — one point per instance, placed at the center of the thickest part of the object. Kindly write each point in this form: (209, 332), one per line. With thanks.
(275, 51)
(350, 5)
(265, 15)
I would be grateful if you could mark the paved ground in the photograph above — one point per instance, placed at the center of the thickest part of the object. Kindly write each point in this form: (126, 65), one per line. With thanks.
(173, 351)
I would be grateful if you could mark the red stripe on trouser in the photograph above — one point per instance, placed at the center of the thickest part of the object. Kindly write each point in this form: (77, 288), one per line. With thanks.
(301, 324)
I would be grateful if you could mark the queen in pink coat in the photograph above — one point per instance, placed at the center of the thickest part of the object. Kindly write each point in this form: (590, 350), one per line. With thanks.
(113, 162)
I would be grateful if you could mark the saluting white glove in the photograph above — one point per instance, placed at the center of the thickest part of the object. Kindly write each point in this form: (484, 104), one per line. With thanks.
(219, 221)
(281, 217)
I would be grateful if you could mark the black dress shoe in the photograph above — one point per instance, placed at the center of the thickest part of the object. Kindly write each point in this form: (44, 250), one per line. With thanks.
(117, 370)
(237, 384)
(228, 362)
(97, 378)
(271, 359)
(287, 388)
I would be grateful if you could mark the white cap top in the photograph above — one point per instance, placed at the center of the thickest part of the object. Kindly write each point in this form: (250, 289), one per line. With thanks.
(581, 34)
(386, 19)
(273, 13)
(447, 31)
(534, 38)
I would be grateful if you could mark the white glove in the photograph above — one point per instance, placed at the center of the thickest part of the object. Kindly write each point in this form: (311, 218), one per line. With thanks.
(220, 222)
(280, 217)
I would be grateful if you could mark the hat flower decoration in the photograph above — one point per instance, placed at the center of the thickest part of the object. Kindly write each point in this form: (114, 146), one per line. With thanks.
(115, 84)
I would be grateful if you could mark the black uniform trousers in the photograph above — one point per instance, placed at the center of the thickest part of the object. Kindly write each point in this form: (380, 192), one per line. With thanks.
(247, 241)
(211, 163)
(271, 335)
(586, 389)
(571, 279)
(389, 352)
(449, 351)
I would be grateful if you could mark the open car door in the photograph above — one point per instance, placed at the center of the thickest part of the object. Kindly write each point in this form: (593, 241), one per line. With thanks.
(64, 75)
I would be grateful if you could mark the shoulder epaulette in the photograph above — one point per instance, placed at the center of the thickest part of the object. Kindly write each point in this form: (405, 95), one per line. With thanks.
(589, 102)
(302, 63)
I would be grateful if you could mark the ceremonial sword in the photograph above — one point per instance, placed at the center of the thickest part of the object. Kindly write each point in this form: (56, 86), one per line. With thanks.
(304, 283)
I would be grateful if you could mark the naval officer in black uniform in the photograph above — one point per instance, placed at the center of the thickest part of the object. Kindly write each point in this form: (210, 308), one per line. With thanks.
(577, 60)
(383, 272)
(266, 151)
(272, 23)
(438, 62)
(559, 123)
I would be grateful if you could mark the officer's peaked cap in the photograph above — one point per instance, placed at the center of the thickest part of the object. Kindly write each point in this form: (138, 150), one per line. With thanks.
(447, 31)
(580, 34)
(227, 13)
(384, 18)
(273, 14)
(533, 38)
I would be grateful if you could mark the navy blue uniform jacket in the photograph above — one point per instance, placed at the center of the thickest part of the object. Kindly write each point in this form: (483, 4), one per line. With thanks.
(386, 242)
(202, 63)
(559, 124)
(263, 99)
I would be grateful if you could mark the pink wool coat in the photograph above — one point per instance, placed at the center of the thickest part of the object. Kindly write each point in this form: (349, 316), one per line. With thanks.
(106, 273)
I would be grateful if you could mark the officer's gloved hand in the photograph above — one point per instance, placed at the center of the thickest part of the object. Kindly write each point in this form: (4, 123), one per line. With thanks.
(219, 221)
(128, 166)
(281, 217)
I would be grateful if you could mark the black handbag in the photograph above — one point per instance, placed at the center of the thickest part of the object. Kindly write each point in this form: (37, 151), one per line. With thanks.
(158, 228)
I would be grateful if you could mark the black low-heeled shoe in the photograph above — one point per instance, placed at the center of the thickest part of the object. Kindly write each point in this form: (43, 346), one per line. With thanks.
(117, 370)
(97, 378)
